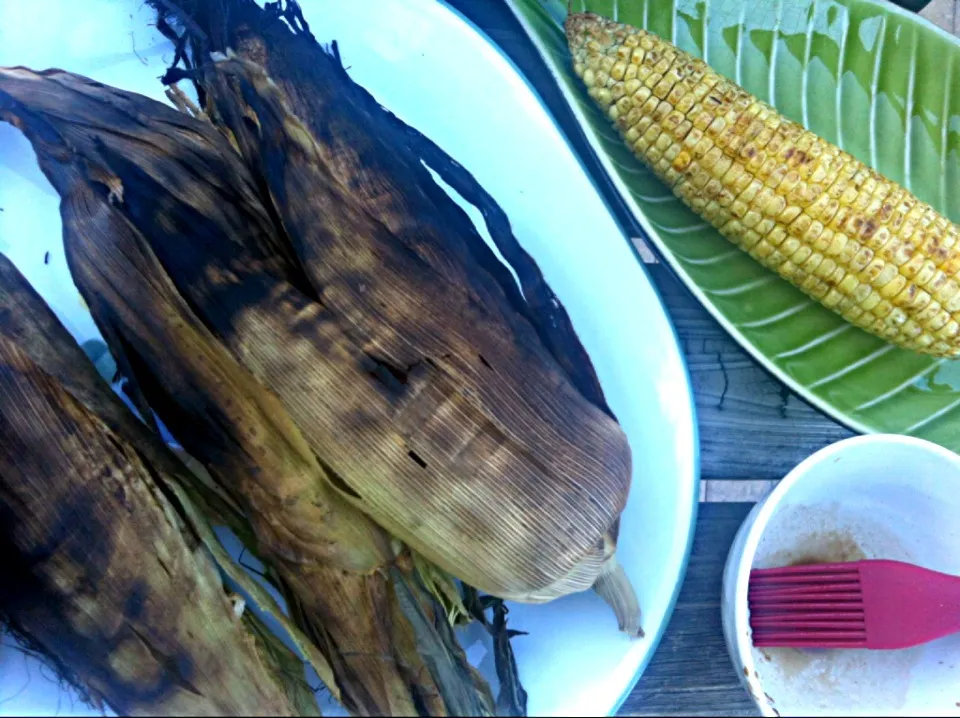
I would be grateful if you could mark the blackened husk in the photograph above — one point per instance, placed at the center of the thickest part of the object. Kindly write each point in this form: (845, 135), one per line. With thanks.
(512, 699)
(381, 160)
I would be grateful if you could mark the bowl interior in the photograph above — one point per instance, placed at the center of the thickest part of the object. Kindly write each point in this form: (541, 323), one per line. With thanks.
(870, 497)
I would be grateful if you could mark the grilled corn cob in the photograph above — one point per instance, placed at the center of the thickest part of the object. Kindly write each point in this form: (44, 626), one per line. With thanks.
(839, 231)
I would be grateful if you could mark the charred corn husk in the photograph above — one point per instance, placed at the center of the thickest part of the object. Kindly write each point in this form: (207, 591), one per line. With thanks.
(850, 238)
(104, 574)
(128, 169)
(382, 161)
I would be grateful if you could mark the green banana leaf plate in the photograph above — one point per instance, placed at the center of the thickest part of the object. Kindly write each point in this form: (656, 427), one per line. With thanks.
(880, 82)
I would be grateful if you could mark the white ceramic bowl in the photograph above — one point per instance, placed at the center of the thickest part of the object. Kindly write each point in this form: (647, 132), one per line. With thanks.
(879, 496)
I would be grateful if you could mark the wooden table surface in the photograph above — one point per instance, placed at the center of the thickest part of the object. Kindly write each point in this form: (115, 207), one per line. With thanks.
(753, 430)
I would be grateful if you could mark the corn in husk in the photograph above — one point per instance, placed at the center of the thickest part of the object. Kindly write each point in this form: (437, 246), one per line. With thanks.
(106, 574)
(463, 402)
(850, 238)
(380, 161)
(129, 169)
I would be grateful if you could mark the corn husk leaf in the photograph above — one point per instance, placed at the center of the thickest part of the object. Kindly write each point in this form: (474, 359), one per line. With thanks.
(381, 160)
(105, 574)
(333, 560)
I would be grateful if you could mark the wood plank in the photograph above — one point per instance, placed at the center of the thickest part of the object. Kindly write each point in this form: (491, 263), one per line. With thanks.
(691, 672)
(751, 425)
(945, 14)
(740, 490)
